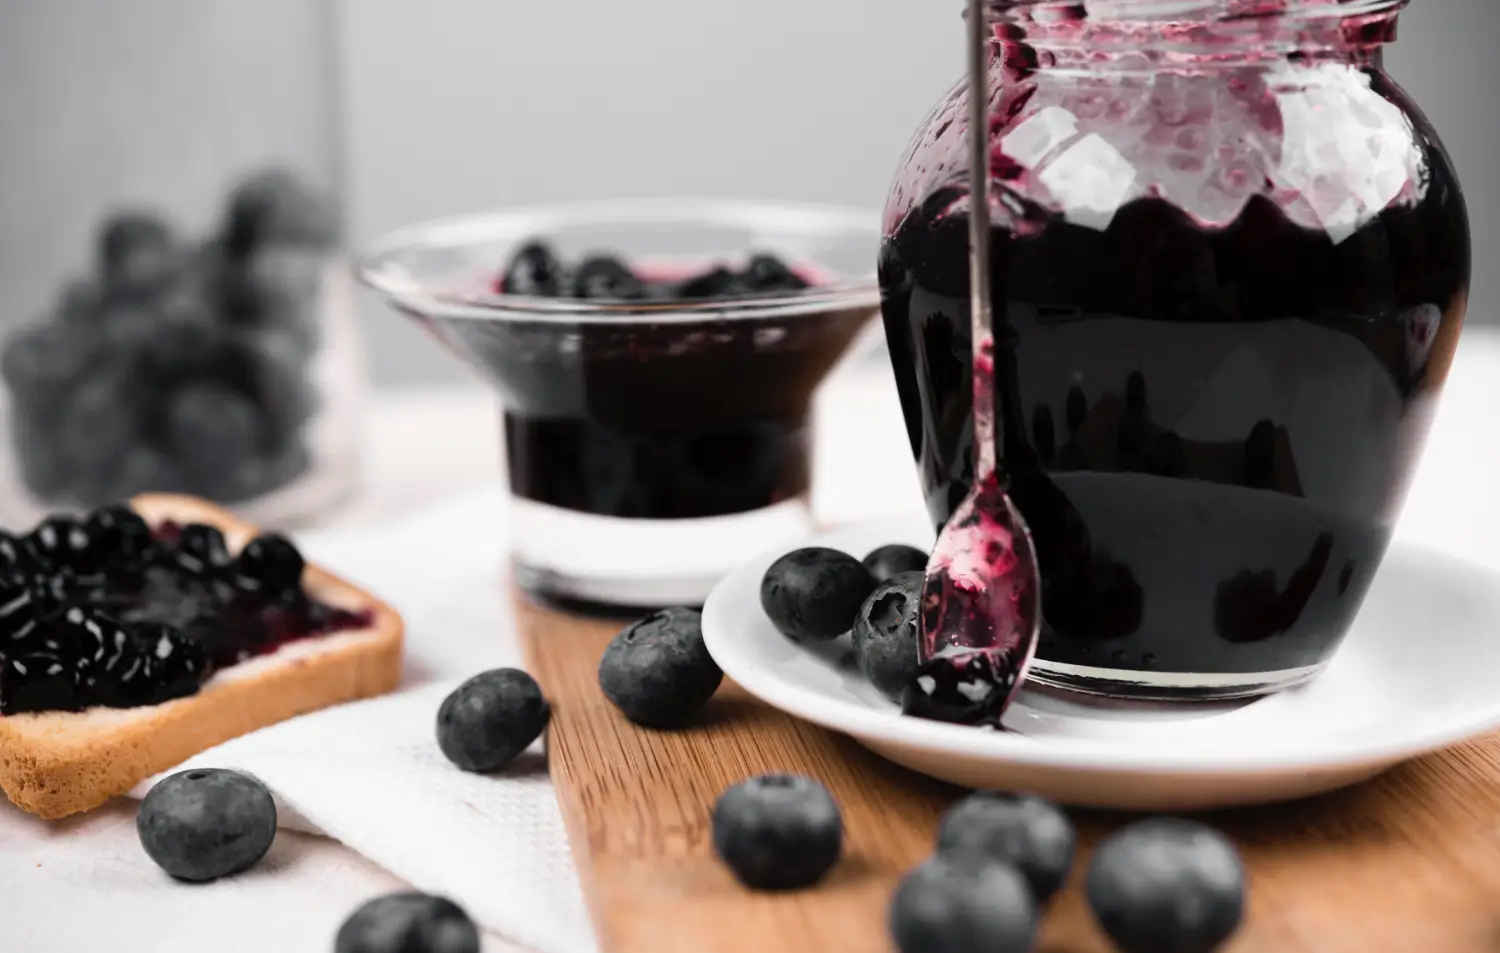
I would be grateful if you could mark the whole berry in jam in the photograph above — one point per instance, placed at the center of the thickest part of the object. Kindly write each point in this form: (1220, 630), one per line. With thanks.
(12, 552)
(490, 719)
(885, 634)
(1026, 832)
(408, 923)
(814, 593)
(58, 541)
(200, 550)
(605, 278)
(270, 564)
(121, 537)
(964, 688)
(888, 561)
(778, 831)
(966, 904)
(178, 664)
(658, 671)
(535, 271)
(37, 682)
(1167, 886)
(718, 282)
(767, 273)
(204, 824)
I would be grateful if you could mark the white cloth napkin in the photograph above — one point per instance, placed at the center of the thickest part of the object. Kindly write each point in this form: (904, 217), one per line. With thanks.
(370, 774)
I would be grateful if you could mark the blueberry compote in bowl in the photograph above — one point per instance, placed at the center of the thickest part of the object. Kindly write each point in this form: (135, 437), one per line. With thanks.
(656, 361)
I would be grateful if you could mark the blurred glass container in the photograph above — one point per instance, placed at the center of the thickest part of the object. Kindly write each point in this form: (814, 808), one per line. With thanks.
(176, 313)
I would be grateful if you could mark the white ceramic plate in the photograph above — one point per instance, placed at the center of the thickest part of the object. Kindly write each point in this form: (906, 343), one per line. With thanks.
(1419, 671)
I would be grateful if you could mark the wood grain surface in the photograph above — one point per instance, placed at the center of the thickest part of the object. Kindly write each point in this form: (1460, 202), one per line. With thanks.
(1408, 862)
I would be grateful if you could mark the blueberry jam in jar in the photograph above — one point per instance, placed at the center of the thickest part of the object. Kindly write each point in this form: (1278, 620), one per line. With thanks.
(1230, 262)
(108, 611)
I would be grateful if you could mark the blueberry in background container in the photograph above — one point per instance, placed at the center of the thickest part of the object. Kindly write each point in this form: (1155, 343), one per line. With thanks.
(175, 310)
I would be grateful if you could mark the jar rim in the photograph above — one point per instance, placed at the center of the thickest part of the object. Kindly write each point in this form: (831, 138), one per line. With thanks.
(1186, 11)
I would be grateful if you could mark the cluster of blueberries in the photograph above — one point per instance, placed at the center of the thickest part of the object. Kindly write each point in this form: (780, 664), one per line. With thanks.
(536, 271)
(104, 610)
(178, 366)
(1162, 884)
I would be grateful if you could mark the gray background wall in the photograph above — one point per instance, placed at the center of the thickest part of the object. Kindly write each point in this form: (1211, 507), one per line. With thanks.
(452, 105)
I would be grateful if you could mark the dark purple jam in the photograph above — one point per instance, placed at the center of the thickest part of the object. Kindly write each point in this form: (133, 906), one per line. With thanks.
(1209, 430)
(108, 611)
(626, 416)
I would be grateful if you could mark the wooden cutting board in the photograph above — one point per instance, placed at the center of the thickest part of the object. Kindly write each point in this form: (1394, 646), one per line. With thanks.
(1408, 862)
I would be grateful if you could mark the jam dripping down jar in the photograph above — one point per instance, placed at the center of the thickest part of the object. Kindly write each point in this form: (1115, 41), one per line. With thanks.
(1229, 262)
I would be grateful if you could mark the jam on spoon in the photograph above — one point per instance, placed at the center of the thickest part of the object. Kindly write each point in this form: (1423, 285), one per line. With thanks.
(981, 600)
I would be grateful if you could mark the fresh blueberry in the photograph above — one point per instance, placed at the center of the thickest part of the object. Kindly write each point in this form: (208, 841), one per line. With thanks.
(408, 923)
(179, 350)
(41, 362)
(37, 682)
(767, 273)
(81, 303)
(283, 388)
(58, 541)
(490, 719)
(97, 425)
(201, 549)
(718, 282)
(888, 561)
(778, 831)
(658, 671)
(272, 565)
(213, 432)
(885, 634)
(1167, 886)
(606, 278)
(204, 824)
(146, 470)
(1026, 832)
(964, 904)
(274, 207)
(533, 271)
(815, 593)
(137, 254)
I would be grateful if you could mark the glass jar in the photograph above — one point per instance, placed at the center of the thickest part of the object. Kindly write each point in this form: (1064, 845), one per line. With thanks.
(1230, 263)
(175, 311)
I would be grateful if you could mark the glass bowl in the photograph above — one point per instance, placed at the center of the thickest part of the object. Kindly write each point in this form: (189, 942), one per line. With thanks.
(650, 444)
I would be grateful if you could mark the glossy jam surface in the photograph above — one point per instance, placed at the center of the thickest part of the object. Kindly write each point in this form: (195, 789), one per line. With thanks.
(1220, 329)
(667, 419)
(109, 612)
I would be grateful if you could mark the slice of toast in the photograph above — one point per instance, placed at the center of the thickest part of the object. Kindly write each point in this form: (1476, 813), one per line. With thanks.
(54, 764)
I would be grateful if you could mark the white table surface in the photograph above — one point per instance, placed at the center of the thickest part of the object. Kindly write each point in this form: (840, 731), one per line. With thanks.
(97, 891)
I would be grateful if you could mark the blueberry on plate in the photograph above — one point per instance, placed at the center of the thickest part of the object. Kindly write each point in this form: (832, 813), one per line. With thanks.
(778, 831)
(535, 271)
(965, 904)
(888, 561)
(408, 923)
(1026, 832)
(490, 719)
(814, 593)
(767, 273)
(207, 823)
(885, 634)
(1167, 886)
(658, 671)
(608, 279)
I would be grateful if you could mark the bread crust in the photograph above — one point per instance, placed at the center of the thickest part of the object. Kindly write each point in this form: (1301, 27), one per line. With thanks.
(55, 764)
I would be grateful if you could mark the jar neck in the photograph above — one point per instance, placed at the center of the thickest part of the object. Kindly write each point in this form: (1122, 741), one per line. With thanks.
(1103, 35)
